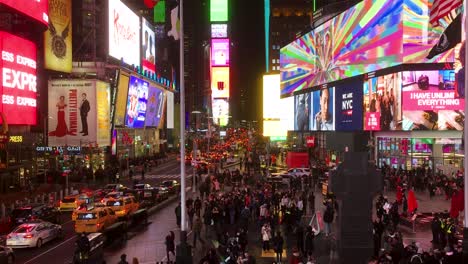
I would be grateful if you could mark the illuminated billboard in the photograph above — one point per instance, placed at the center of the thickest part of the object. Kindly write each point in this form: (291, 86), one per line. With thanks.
(220, 82)
(219, 52)
(271, 96)
(36, 9)
(170, 110)
(124, 33)
(58, 38)
(322, 116)
(218, 10)
(219, 30)
(148, 47)
(276, 117)
(155, 107)
(121, 101)
(18, 79)
(79, 112)
(348, 106)
(136, 103)
(220, 111)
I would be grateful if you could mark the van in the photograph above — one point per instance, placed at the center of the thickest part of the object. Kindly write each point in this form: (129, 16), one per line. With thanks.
(95, 220)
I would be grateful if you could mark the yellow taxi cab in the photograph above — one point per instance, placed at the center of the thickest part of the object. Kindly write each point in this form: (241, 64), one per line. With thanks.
(123, 206)
(68, 203)
(94, 220)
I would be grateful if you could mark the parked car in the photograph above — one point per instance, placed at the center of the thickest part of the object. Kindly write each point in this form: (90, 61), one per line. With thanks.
(31, 212)
(6, 255)
(95, 220)
(122, 206)
(33, 234)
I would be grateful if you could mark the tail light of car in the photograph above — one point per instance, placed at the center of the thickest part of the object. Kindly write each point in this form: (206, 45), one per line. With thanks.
(98, 225)
(29, 236)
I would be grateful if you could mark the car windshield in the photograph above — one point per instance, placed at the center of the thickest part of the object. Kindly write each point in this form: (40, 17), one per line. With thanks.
(18, 213)
(86, 216)
(167, 184)
(68, 200)
(114, 203)
(24, 229)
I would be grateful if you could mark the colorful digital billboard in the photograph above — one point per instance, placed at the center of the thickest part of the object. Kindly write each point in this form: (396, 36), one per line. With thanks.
(18, 79)
(124, 33)
(58, 38)
(148, 47)
(322, 117)
(382, 103)
(219, 30)
(219, 52)
(154, 111)
(220, 82)
(36, 9)
(220, 111)
(431, 101)
(276, 116)
(348, 106)
(302, 112)
(136, 103)
(121, 101)
(218, 10)
(364, 38)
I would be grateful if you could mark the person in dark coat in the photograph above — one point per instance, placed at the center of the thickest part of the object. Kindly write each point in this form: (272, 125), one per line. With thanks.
(300, 238)
(436, 230)
(312, 202)
(178, 214)
(170, 245)
(278, 242)
(309, 241)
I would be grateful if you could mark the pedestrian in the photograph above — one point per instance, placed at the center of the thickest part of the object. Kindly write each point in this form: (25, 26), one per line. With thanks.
(278, 242)
(300, 238)
(123, 259)
(266, 235)
(435, 228)
(328, 217)
(135, 261)
(117, 177)
(170, 245)
(309, 241)
(312, 202)
(196, 229)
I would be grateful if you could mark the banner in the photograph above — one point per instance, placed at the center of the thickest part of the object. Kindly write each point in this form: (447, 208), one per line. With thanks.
(121, 103)
(170, 110)
(148, 47)
(103, 113)
(136, 103)
(72, 112)
(348, 106)
(58, 38)
(154, 111)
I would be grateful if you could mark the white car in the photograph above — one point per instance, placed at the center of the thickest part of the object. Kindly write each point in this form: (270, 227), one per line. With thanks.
(33, 235)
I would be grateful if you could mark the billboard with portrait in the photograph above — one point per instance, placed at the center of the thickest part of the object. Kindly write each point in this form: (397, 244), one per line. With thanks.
(220, 52)
(155, 107)
(38, 10)
(220, 82)
(18, 79)
(72, 112)
(302, 112)
(322, 116)
(136, 102)
(58, 38)
(382, 103)
(124, 33)
(148, 46)
(431, 101)
(121, 101)
(348, 106)
(364, 38)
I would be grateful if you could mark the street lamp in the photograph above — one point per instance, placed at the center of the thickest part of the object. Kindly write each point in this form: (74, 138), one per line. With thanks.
(194, 156)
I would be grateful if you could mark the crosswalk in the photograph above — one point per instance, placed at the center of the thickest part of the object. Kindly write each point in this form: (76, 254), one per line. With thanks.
(166, 176)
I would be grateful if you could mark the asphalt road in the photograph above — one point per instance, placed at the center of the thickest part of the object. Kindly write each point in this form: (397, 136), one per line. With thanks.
(61, 251)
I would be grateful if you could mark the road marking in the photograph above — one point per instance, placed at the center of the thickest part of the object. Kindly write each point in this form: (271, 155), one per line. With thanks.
(42, 254)
(165, 258)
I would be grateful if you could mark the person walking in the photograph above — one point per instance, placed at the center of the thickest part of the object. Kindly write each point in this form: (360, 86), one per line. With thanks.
(312, 202)
(300, 238)
(197, 226)
(266, 235)
(309, 241)
(328, 217)
(170, 245)
(278, 242)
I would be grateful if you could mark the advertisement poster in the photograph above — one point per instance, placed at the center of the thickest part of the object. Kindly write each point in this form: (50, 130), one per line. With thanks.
(431, 101)
(121, 101)
(124, 33)
(348, 106)
(382, 98)
(35, 9)
(220, 52)
(366, 37)
(220, 111)
(170, 110)
(136, 103)
(58, 38)
(103, 113)
(323, 110)
(148, 46)
(153, 111)
(219, 30)
(18, 80)
(301, 112)
(72, 112)
(220, 82)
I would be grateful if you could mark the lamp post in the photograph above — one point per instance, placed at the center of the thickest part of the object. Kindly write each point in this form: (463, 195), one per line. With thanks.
(194, 156)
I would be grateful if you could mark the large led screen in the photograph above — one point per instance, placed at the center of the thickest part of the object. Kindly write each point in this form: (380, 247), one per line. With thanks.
(271, 96)
(218, 10)
(220, 82)
(431, 101)
(170, 110)
(220, 52)
(365, 38)
(37, 9)
(18, 79)
(220, 111)
(103, 125)
(323, 110)
(302, 112)
(124, 33)
(348, 106)
(136, 103)
(121, 101)
(382, 103)
(154, 111)
(148, 46)
(219, 30)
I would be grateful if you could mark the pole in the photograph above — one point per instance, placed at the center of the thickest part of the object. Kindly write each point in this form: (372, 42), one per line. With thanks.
(194, 171)
(465, 137)
(184, 251)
